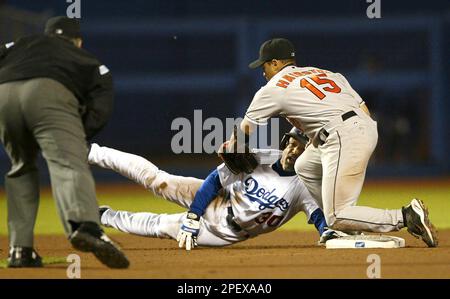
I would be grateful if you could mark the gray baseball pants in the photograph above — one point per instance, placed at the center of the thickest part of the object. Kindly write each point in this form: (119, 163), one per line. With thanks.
(334, 175)
(42, 114)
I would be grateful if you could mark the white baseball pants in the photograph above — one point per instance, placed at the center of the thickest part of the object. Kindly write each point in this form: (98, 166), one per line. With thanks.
(214, 230)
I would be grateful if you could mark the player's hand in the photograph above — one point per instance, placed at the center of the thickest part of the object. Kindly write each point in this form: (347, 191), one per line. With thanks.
(189, 230)
(330, 234)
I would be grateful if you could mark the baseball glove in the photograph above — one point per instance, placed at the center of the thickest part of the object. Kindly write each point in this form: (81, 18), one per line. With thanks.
(238, 158)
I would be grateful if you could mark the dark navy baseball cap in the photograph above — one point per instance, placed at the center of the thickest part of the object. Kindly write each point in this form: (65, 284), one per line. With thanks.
(296, 134)
(277, 48)
(63, 26)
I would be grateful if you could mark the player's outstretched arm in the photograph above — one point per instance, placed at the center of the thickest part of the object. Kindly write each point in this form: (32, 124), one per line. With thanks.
(315, 216)
(318, 219)
(190, 227)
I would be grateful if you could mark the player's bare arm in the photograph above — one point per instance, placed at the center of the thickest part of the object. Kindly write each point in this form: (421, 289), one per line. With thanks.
(364, 108)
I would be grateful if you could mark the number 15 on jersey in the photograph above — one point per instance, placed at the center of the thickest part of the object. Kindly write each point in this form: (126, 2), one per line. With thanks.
(323, 84)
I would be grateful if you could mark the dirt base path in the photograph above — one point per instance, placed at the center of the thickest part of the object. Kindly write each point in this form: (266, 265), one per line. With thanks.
(276, 255)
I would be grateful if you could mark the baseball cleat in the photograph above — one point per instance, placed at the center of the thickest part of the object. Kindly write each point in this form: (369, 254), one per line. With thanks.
(419, 224)
(24, 257)
(89, 237)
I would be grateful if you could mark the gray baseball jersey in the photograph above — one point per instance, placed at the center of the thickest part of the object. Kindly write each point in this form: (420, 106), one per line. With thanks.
(297, 93)
(311, 99)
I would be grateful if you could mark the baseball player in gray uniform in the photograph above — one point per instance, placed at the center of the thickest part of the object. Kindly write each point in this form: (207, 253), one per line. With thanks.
(230, 208)
(325, 107)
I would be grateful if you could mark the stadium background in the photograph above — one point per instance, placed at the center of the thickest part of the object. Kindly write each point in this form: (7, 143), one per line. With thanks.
(171, 57)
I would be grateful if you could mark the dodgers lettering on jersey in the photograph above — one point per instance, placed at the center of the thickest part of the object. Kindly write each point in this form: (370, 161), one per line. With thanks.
(307, 97)
(264, 200)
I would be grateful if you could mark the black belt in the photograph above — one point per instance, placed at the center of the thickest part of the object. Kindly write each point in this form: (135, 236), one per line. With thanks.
(344, 117)
(236, 227)
(348, 114)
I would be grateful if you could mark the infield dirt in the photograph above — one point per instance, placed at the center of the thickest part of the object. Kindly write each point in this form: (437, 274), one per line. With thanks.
(284, 254)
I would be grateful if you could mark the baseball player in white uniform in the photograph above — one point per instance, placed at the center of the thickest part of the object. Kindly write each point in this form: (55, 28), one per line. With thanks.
(229, 208)
(325, 107)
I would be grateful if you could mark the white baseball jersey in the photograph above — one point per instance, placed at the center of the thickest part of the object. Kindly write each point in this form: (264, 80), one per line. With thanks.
(261, 201)
(268, 197)
(307, 97)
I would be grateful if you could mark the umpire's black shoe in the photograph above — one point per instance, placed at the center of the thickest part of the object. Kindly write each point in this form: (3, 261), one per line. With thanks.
(89, 237)
(24, 257)
(418, 222)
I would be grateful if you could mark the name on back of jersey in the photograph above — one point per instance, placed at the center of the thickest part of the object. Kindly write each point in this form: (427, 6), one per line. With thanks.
(289, 77)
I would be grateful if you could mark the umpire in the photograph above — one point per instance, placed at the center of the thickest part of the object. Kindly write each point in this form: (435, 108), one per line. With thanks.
(53, 96)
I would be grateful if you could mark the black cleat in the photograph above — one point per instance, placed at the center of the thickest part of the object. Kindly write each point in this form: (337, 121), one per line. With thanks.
(24, 257)
(89, 237)
(418, 222)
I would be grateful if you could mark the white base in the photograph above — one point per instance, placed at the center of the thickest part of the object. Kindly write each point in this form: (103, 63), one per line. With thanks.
(365, 241)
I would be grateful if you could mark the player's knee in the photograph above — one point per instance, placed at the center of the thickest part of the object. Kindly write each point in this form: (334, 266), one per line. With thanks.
(149, 181)
(157, 185)
(158, 182)
(161, 186)
(152, 178)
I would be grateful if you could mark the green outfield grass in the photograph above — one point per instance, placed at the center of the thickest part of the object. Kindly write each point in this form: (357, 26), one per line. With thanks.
(437, 198)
